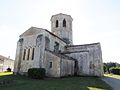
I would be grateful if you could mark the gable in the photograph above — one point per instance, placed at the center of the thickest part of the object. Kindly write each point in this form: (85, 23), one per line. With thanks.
(31, 31)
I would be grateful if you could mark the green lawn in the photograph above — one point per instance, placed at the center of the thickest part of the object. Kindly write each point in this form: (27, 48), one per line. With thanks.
(112, 75)
(71, 83)
(5, 73)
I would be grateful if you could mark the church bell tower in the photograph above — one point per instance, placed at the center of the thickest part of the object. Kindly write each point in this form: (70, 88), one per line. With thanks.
(61, 25)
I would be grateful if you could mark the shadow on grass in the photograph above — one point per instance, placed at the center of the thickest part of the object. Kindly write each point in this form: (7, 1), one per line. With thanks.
(18, 82)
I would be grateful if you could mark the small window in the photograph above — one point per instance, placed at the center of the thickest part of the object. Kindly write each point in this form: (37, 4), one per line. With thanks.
(64, 23)
(24, 54)
(56, 47)
(50, 64)
(90, 65)
(57, 23)
(33, 53)
(28, 54)
(47, 43)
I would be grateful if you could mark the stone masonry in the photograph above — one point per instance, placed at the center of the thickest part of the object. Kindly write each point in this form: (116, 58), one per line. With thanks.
(54, 51)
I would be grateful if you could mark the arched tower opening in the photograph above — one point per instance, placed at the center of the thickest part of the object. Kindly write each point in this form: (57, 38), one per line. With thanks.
(57, 23)
(64, 23)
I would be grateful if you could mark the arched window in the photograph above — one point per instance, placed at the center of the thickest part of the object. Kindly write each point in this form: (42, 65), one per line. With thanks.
(24, 54)
(28, 54)
(57, 23)
(64, 23)
(56, 47)
(47, 43)
(33, 49)
(21, 41)
(39, 40)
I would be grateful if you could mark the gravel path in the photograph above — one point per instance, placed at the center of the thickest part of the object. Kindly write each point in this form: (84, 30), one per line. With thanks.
(113, 82)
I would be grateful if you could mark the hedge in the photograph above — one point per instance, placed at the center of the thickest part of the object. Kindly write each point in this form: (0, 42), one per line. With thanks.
(36, 73)
(115, 71)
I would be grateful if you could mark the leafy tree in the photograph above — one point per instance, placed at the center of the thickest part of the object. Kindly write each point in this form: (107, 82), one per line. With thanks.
(109, 65)
(105, 67)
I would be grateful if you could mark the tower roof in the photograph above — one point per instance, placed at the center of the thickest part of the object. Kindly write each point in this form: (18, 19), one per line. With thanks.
(61, 14)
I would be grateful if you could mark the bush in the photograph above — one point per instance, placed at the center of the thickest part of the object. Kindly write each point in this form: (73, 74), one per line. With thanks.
(115, 71)
(36, 73)
(8, 69)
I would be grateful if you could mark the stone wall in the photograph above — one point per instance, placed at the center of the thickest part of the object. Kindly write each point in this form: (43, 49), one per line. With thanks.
(50, 53)
(52, 70)
(67, 67)
(93, 58)
(27, 42)
(8, 64)
(39, 39)
(53, 38)
(61, 65)
(82, 62)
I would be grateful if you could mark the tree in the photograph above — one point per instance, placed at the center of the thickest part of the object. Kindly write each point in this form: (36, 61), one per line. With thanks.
(109, 65)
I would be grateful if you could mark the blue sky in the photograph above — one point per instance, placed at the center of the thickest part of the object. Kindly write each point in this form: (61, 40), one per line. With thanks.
(93, 21)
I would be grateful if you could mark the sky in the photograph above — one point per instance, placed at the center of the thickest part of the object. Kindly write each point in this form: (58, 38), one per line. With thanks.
(93, 21)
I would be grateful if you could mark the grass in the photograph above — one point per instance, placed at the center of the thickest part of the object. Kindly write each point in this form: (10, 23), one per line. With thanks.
(112, 75)
(5, 73)
(70, 83)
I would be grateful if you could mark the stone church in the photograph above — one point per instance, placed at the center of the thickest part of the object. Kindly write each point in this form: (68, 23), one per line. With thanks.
(54, 51)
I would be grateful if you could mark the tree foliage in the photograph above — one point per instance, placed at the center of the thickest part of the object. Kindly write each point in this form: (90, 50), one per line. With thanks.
(107, 66)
